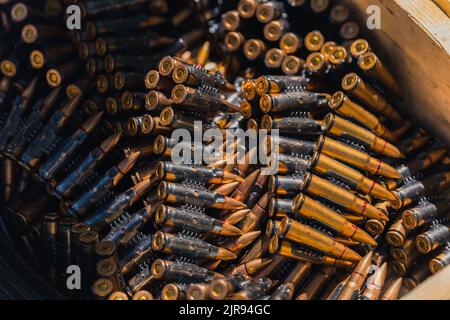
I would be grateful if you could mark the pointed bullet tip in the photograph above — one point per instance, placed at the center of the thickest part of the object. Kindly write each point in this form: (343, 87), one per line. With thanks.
(224, 254)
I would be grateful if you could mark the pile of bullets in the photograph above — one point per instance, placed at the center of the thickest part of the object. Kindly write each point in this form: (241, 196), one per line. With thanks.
(358, 207)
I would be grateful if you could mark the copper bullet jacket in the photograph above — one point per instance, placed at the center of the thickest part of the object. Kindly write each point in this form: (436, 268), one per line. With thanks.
(356, 158)
(305, 235)
(311, 209)
(349, 109)
(292, 251)
(317, 186)
(373, 66)
(353, 84)
(325, 165)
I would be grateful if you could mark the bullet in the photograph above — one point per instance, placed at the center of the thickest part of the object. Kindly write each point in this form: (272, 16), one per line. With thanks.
(426, 212)
(375, 284)
(293, 251)
(178, 173)
(339, 58)
(269, 11)
(291, 125)
(174, 291)
(304, 235)
(415, 166)
(327, 166)
(273, 85)
(428, 241)
(274, 58)
(310, 209)
(203, 100)
(116, 207)
(357, 278)
(236, 216)
(19, 107)
(243, 241)
(195, 77)
(81, 173)
(221, 288)
(289, 146)
(247, 8)
(349, 30)
(64, 151)
(406, 252)
(155, 80)
(317, 64)
(280, 208)
(135, 255)
(327, 48)
(166, 66)
(316, 283)
(173, 192)
(56, 76)
(142, 279)
(256, 213)
(254, 290)
(392, 292)
(339, 127)
(356, 158)
(142, 295)
(347, 108)
(371, 64)
(195, 248)
(109, 180)
(194, 221)
(292, 65)
(417, 276)
(118, 296)
(272, 228)
(107, 269)
(125, 229)
(198, 291)
(48, 243)
(359, 47)
(314, 40)
(440, 261)
(106, 250)
(287, 289)
(39, 33)
(298, 101)
(291, 43)
(101, 289)
(414, 190)
(330, 192)
(274, 30)
(254, 49)
(231, 21)
(156, 101)
(354, 85)
(49, 133)
(176, 271)
(396, 234)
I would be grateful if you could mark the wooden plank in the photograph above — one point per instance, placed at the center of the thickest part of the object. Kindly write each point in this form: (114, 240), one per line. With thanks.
(414, 42)
(444, 5)
(436, 287)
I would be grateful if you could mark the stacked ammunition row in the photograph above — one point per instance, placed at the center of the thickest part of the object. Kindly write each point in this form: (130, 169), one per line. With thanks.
(315, 144)
(358, 206)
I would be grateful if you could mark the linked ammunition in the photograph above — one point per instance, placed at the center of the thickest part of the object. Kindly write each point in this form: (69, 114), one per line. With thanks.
(145, 227)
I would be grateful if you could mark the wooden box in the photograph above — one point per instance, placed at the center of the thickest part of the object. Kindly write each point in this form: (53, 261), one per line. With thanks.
(414, 41)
